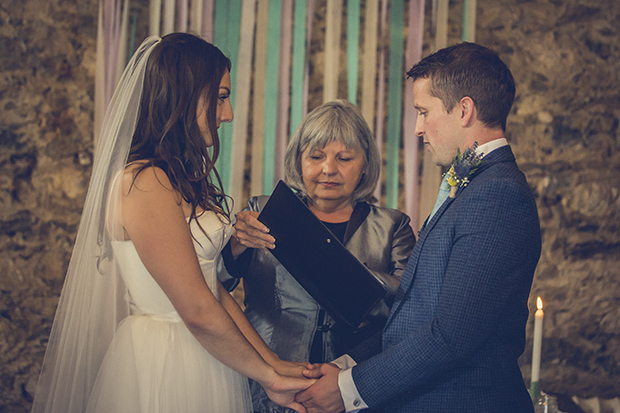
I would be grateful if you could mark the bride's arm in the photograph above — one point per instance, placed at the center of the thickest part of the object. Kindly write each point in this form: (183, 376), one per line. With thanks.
(286, 368)
(154, 220)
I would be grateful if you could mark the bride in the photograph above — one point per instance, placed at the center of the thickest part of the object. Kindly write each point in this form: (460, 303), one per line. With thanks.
(142, 324)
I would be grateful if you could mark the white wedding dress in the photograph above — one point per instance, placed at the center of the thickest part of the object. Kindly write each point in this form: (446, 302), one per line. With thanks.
(154, 364)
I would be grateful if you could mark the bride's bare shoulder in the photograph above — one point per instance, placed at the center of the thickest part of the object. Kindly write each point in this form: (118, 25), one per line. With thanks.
(144, 177)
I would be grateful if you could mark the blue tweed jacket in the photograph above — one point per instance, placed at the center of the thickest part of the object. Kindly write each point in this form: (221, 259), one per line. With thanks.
(457, 326)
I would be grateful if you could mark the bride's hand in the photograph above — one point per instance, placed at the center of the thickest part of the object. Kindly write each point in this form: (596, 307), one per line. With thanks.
(282, 390)
(290, 368)
(313, 371)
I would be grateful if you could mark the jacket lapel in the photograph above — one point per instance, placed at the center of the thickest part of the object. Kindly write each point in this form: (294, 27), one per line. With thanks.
(360, 212)
(410, 271)
(503, 154)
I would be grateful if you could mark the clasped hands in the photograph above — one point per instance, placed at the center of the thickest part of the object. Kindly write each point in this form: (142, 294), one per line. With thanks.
(324, 395)
(319, 392)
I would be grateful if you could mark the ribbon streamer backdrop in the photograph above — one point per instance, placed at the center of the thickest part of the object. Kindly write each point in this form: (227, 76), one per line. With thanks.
(272, 44)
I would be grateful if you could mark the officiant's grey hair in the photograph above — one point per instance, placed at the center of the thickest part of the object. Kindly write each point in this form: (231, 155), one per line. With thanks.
(335, 121)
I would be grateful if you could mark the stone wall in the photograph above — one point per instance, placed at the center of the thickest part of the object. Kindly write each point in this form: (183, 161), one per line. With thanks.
(565, 56)
(47, 73)
(563, 129)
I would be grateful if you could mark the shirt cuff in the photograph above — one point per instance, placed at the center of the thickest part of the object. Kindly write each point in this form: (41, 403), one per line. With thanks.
(353, 402)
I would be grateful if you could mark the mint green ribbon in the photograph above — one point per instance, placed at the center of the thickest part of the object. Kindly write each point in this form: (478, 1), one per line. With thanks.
(395, 87)
(226, 36)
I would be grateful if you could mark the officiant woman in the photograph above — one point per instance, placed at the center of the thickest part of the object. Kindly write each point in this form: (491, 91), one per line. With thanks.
(333, 164)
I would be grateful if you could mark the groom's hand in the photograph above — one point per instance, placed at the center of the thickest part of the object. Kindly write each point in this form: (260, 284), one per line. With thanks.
(324, 395)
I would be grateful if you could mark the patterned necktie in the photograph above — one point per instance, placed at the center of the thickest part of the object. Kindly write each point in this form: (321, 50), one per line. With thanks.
(444, 191)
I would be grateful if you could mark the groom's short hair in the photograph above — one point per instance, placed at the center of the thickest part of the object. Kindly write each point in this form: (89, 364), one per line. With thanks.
(472, 70)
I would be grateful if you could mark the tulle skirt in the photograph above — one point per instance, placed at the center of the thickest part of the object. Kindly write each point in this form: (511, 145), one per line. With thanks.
(156, 366)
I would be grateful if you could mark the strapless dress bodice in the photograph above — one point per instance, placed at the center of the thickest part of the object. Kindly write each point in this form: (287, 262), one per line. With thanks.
(144, 294)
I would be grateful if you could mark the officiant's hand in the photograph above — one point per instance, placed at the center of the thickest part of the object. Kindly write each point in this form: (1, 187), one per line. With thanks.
(324, 395)
(249, 232)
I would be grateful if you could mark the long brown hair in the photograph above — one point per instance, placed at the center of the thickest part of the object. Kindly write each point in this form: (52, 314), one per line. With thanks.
(180, 71)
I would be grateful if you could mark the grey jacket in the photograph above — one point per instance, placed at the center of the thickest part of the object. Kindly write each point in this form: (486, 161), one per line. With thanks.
(288, 318)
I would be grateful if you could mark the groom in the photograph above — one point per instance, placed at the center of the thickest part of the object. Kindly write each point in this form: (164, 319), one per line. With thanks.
(457, 325)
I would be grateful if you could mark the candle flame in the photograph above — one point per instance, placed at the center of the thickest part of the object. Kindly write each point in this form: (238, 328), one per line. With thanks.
(539, 303)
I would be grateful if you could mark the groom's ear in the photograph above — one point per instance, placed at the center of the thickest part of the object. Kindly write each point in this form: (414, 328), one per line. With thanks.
(467, 110)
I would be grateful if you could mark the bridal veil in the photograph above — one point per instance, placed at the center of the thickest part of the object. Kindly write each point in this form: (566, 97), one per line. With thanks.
(92, 300)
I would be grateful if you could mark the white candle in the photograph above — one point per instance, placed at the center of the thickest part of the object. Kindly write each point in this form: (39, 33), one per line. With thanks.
(538, 332)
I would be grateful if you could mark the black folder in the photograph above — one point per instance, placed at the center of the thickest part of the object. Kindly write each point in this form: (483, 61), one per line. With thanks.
(330, 273)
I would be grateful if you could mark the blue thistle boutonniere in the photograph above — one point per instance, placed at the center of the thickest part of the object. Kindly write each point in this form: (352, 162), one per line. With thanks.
(463, 166)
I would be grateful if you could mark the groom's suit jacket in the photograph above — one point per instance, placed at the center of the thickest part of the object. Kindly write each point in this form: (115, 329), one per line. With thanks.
(457, 326)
